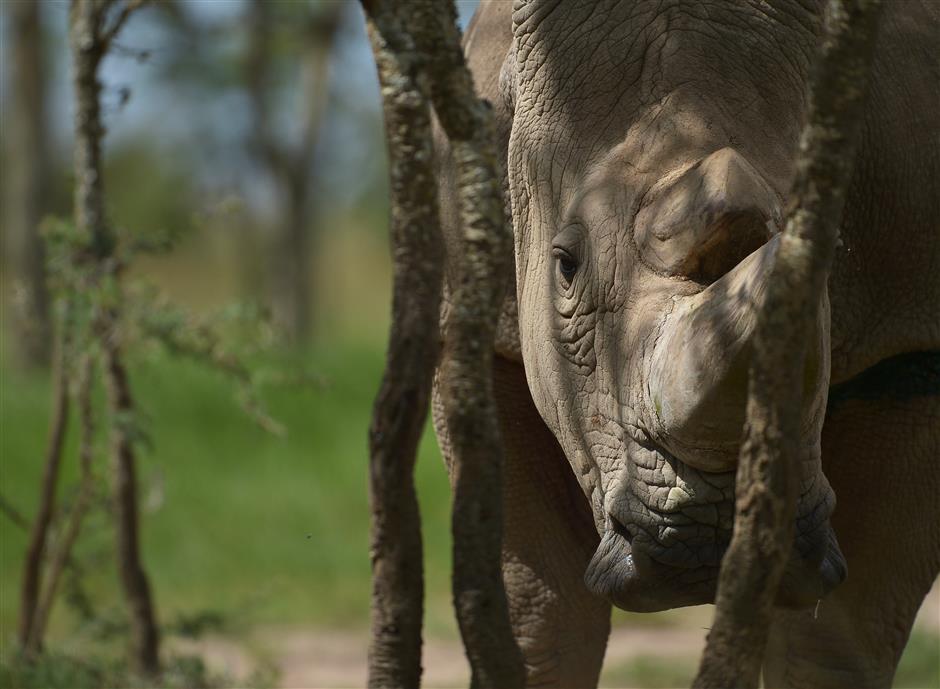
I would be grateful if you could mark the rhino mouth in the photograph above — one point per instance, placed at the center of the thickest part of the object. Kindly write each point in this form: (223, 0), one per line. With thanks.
(668, 527)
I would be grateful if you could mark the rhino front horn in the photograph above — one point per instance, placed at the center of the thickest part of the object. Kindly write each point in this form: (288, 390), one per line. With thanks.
(699, 368)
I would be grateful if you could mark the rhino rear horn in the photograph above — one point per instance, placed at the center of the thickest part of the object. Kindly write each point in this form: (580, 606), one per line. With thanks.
(708, 218)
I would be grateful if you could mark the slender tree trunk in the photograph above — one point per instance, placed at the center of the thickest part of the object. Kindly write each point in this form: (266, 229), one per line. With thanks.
(291, 164)
(402, 403)
(27, 180)
(466, 366)
(63, 552)
(39, 533)
(767, 483)
(293, 305)
(90, 39)
(145, 641)
(418, 43)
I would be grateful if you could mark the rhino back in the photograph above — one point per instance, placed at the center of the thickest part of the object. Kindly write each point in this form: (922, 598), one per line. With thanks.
(885, 283)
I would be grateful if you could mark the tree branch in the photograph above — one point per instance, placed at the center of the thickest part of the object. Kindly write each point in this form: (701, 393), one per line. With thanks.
(129, 7)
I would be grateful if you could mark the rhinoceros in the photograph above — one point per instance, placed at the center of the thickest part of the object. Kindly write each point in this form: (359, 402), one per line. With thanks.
(649, 147)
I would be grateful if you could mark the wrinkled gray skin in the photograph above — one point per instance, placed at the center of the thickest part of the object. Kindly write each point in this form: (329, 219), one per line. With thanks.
(649, 150)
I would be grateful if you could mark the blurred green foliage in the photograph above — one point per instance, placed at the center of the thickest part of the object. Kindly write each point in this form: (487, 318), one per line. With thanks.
(920, 665)
(266, 529)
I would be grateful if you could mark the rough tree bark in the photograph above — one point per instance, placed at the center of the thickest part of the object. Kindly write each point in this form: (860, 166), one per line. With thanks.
(767, 484)
(417, 48)
(402, 403)
(467, 361)
(28, 179)
(93, 25)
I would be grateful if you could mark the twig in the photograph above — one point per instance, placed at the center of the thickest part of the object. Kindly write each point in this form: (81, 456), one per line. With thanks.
(13, 514)
(129, 7)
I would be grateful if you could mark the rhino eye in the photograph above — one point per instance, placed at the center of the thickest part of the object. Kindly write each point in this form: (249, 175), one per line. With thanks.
(567, 265)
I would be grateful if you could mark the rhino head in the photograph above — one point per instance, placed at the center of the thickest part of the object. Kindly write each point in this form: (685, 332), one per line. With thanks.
(647, 169)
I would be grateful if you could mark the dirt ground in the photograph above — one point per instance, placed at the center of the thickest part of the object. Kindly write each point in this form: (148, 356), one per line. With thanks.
(309, 657)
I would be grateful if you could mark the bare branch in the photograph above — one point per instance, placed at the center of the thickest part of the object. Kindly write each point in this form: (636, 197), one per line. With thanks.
(13, 514)
(124, 13)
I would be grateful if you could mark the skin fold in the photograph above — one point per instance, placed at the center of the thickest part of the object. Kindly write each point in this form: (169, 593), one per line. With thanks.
(649, 148)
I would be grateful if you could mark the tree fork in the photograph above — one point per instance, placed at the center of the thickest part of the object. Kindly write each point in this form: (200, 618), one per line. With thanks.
(766, 483)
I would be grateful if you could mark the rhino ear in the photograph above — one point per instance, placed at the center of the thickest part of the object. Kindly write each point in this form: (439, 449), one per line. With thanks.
(704, 221)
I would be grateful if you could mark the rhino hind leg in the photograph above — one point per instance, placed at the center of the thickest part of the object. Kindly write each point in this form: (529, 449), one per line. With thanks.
(548, 539)
(881, 452)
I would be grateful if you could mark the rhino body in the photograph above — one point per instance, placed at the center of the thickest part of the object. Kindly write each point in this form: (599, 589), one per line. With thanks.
(649, 149)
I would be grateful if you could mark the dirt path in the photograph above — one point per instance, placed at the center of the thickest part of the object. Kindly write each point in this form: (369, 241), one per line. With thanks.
(309, 657)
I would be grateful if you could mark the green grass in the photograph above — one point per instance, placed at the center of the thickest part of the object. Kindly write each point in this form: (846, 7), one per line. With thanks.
(650, 672)
(263, 529)
(257, 529)
(920, 665)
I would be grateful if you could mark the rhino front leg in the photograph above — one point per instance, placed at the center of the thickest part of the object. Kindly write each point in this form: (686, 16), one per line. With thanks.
(548, 539)
(881, 443)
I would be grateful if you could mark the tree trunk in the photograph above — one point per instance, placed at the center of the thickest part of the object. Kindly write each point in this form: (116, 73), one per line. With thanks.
(402, 403)
(90, 39)
(27, 180)
(418, 42)
(291, 164)
(39, 533)
(62, 554)
(466, 366)
(767, 477)
(145, 641)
